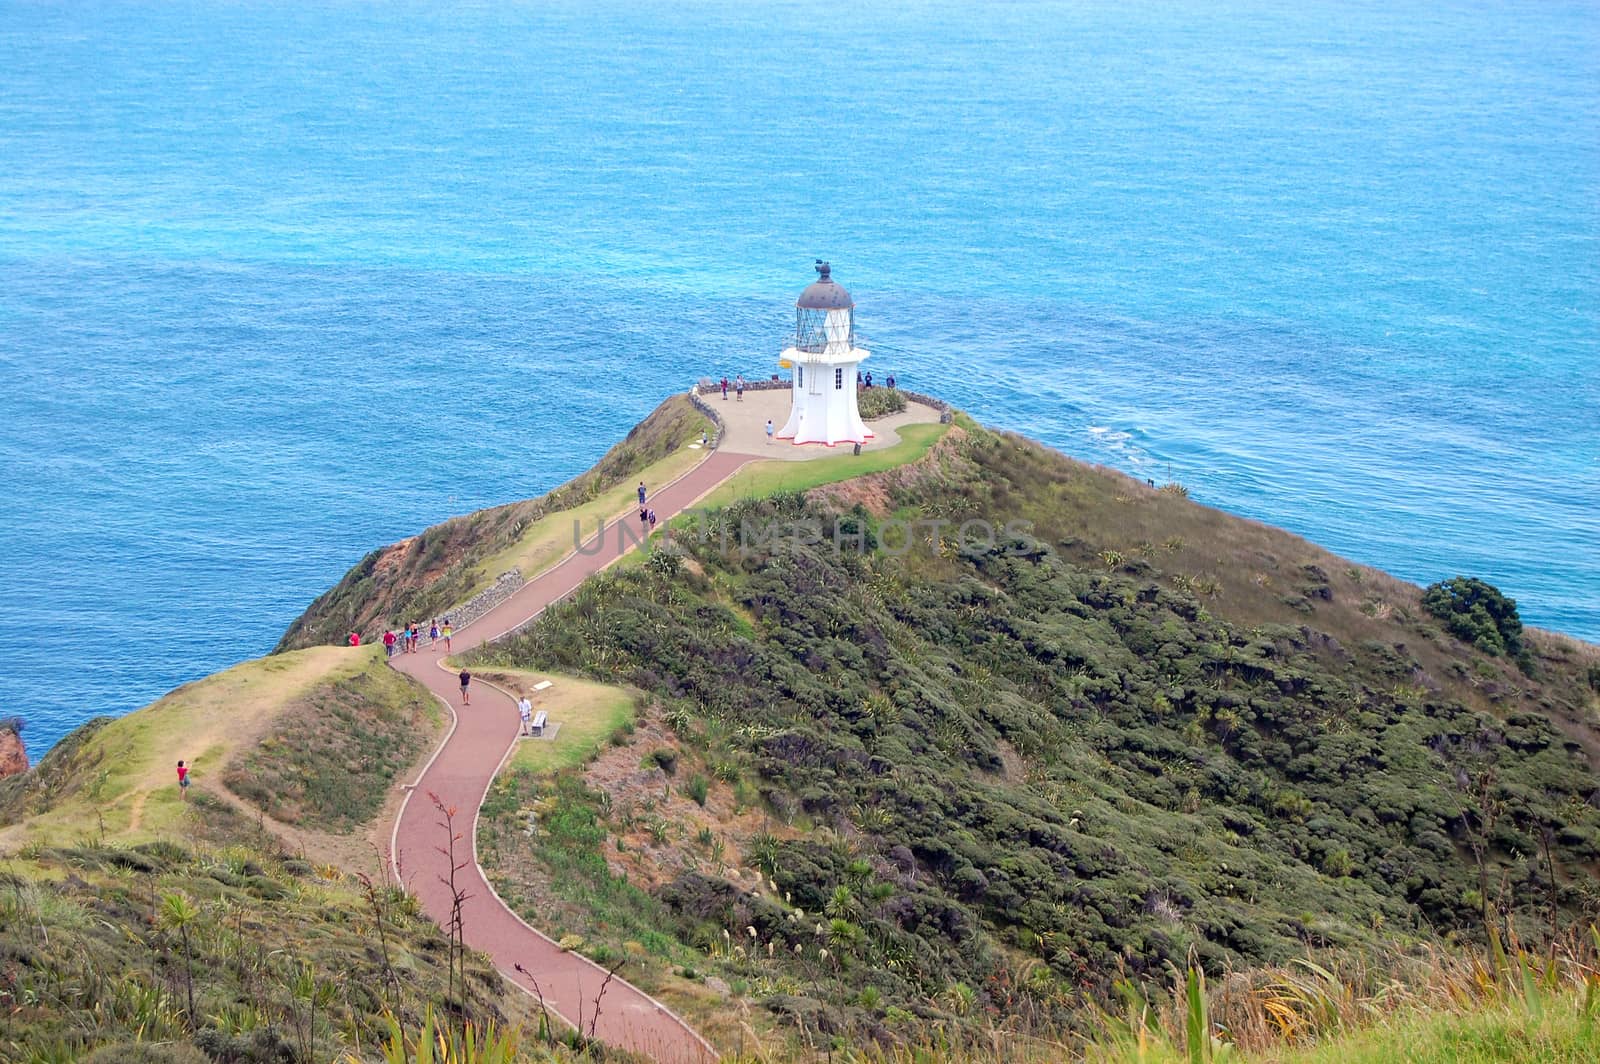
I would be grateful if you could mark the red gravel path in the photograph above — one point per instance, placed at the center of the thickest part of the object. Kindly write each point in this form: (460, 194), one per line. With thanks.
(460, 774)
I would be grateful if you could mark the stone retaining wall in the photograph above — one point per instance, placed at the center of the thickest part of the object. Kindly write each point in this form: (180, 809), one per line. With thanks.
(707, 386)
(706, 409)
(710, 387)
(505, 585)
(940, 405)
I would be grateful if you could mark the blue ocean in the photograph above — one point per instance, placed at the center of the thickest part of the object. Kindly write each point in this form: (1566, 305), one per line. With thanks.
(281, 282)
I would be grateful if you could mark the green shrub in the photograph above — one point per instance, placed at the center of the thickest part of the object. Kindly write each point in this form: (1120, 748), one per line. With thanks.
(1476, 612)
(880, 402)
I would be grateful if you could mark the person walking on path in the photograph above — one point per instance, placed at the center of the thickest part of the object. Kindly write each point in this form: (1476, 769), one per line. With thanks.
(738, 387)
(769, 432)
(448, 631)
(433, 631)
(183, 781)
(388, 643)
(525, 711)
(724, 389)
(650, 516)
(641, 493)
(466, 678)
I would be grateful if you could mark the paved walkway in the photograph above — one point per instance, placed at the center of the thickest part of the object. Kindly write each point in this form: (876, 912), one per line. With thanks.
(460, 774)
(746, 422)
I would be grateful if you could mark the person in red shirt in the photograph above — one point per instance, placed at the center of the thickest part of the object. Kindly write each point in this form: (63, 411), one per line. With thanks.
(388, 643)
(183, 781)
(355, 639)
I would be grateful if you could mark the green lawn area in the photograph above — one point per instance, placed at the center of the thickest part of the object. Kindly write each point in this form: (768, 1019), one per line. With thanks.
(767, 478)
(587, 712)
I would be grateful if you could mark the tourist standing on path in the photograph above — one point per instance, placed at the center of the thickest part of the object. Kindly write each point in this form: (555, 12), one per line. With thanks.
(355, 639)
(388, 643)
(466, 678)
(890, 382)
(525, 711)
(641, 493)
(724, 389)
(183, 781)
(644, 520)
(769, 432)
(448, 631)
(738, 386)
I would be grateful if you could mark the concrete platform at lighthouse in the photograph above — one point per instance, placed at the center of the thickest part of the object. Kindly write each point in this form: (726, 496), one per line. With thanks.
(745, 426)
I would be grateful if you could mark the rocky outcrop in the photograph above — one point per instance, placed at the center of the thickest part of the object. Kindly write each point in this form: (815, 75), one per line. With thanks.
(13, 755)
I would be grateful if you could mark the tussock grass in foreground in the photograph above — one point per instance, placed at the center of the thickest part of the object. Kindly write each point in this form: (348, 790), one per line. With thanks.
(1431, 1007)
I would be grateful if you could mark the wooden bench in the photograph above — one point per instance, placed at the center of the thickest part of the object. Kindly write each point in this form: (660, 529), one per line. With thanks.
(539, 719)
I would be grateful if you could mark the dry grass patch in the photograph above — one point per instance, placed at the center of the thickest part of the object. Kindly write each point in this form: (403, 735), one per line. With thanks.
(119, 781)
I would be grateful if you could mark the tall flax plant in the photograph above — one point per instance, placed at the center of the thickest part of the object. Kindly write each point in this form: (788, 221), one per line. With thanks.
(441, 1043)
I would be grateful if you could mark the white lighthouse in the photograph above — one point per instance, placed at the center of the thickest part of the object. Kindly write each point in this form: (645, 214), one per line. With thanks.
(825, 358)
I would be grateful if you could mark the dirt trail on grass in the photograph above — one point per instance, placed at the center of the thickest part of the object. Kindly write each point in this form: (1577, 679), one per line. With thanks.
(458, 778)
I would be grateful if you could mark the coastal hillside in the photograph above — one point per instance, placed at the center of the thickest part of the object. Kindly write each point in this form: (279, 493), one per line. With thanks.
(249, 919)
(985, 753)
(425, 575)
(896, 773)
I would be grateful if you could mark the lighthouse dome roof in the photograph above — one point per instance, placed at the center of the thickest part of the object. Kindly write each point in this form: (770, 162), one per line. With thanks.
(824, 293)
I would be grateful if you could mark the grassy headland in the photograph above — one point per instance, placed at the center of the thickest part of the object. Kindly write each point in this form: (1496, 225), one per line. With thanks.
(928, 797)
(991, 778)
(426, 574)
(115, 778)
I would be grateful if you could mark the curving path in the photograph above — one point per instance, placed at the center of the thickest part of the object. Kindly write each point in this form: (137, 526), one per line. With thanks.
(464, 766)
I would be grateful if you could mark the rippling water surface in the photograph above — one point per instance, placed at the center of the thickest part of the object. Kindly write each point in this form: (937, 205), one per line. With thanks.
(282, 282)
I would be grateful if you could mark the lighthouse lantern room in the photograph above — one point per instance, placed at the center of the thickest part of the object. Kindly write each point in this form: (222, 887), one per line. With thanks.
(825, 358)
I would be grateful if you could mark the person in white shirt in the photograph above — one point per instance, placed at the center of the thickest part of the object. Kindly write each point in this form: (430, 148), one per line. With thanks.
(525, 711)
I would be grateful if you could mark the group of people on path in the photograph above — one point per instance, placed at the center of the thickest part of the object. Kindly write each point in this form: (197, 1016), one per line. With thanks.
(864, 380)
(738, 389)
(647, 516)
(409, 638)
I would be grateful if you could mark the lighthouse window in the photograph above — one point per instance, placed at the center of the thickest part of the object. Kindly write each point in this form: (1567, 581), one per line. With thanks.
(801, 370)
(838, 379)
